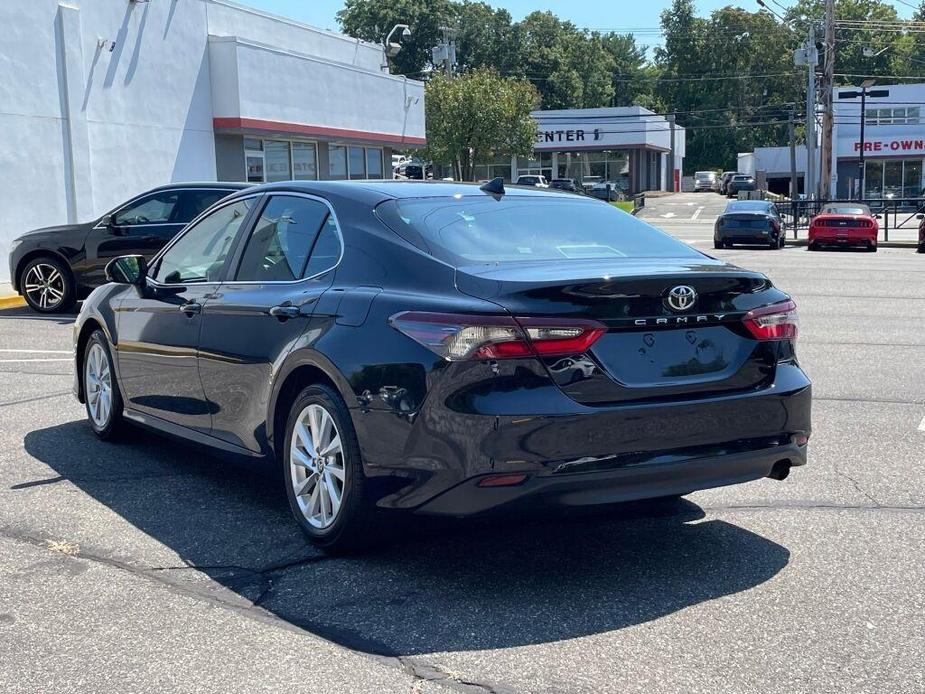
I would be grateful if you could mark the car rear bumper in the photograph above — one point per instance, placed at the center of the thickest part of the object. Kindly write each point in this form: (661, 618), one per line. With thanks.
(623, 483)
(852, 239)
(577, 455)
(745, 235)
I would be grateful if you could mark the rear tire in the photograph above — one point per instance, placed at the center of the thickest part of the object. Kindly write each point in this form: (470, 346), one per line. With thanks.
(717, 244)
(811, 246)
(872, 248)
(102, 397)
(47, 285)
(326, 490)
(921, 248)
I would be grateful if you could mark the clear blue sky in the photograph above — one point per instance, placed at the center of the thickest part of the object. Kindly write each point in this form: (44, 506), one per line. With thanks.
(619, 15)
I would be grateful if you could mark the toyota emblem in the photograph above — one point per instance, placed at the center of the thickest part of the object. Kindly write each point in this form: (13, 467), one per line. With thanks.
(681, 298)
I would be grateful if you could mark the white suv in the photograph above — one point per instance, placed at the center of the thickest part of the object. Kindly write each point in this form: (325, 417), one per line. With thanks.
(532, 180)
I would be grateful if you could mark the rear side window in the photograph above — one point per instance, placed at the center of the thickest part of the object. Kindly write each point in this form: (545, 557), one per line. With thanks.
(481, 229)
(197, 201)
(282, 240)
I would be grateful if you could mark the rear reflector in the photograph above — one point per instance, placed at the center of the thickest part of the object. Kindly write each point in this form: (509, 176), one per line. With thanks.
(775, 322)
(501, 480)
(458, 337)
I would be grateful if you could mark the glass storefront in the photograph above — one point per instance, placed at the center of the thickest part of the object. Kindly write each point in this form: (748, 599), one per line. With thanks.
(609, 166)
(898, 178)
(540, 164)
(293, 160)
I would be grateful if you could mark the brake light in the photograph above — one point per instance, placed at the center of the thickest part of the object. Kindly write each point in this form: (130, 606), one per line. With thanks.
(775, 322)
(458, 337)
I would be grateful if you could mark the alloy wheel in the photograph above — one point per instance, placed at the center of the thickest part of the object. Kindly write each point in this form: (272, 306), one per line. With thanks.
(45, 285)
(98, 384)
(316, 466)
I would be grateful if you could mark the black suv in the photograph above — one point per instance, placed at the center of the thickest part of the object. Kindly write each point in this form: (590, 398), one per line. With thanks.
(55, 266)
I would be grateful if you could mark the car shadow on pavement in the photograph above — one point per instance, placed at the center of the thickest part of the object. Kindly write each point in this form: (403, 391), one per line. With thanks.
(437, 585)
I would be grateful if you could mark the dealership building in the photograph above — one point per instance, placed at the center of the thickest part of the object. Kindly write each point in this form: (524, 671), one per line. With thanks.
(894, 147)
(103, 99)
(631, 146)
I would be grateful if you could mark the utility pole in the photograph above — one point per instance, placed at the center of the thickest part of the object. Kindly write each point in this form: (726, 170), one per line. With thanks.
(444, 53)
(794, 184)
(671, 155)
(828, 85)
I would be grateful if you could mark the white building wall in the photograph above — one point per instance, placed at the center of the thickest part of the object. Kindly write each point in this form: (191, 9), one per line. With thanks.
(257, 81)
(82, 127)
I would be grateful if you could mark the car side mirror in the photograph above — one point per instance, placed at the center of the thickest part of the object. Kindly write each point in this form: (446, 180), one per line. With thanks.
(878, 216)
(111, 220)
(127, 269)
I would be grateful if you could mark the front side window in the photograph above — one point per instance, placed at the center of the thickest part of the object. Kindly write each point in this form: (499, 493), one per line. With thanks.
(199, 255)
(151, 209)
(282, 239)
(480, 229)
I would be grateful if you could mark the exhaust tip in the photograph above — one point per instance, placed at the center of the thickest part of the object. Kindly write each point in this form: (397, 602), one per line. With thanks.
(781, 470)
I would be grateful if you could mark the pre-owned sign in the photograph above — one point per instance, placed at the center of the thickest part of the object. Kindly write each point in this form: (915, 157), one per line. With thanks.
(891, 146)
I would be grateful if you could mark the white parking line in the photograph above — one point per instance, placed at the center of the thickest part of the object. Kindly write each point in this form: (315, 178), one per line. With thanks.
(922, 425)
(697, 212)
(22, 361)
(35, 351)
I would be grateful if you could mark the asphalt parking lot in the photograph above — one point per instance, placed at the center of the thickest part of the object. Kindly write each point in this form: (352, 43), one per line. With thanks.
(147, 565)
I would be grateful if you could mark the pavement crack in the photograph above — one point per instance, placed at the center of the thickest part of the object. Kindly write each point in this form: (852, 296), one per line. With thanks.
(423, 671)
(857, 486)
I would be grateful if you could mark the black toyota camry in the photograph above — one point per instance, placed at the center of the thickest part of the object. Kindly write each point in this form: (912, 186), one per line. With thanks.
(448, 349)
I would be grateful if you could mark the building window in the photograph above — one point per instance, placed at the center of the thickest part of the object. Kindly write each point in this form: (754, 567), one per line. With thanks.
(354, 162)
(253, 158)
(276, 161)
(304, 161)
(279, 160)
(373, 162)
(337, 162)
(892, 116)
(893, 178)
(357, 163)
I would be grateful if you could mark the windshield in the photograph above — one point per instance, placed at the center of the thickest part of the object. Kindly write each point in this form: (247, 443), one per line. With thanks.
(846, 209)
(480, 229)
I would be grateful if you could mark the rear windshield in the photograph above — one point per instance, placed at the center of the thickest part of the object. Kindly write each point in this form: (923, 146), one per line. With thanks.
(846, 209)
(480, 229)
(748, 206)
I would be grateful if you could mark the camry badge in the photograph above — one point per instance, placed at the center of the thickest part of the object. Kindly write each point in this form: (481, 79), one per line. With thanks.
(681, 298)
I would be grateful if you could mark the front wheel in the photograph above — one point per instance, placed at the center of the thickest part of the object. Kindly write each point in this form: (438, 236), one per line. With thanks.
(46, 285)
(323, 472)
(102, 397)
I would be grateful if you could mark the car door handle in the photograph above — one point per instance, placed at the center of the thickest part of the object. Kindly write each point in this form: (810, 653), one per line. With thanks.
(285, 311)
(191, 308)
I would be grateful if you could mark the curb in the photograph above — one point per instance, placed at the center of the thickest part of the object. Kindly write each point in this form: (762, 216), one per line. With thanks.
(14, 301)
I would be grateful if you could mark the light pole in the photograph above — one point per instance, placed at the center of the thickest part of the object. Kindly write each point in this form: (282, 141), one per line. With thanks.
(864, 92)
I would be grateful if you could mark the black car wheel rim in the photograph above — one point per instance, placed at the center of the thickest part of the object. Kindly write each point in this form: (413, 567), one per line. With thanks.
(44, 285)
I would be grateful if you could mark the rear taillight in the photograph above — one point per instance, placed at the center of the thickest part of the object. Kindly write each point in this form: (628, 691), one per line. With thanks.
(458, 337)
(775, 322)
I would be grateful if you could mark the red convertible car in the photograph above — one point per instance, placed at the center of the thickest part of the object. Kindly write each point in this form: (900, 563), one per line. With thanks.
(844, 224)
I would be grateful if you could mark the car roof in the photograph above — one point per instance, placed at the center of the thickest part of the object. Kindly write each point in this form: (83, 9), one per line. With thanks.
(375, 191)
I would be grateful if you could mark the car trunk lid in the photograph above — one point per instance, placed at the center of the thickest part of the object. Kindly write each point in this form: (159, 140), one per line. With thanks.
(655, 347)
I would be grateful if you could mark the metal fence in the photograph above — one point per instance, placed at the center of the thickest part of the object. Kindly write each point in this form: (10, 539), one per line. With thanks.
(892, 213)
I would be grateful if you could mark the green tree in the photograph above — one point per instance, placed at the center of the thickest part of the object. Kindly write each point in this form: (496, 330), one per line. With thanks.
(629, 76)
(477, 116)
(486, 37)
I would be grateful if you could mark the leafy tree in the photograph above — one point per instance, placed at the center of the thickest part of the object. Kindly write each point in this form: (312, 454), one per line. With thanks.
(477, 116)
(629, 74)
(486, 38)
